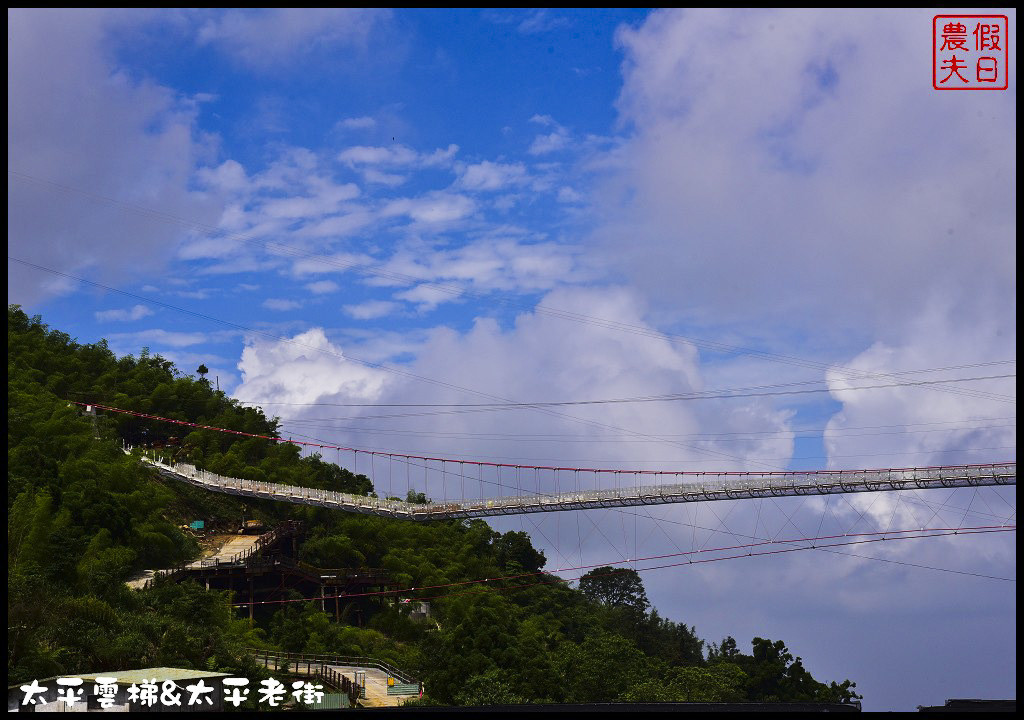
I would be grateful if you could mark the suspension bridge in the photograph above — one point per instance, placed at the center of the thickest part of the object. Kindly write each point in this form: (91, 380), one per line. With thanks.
(700, 487)
(608, 488)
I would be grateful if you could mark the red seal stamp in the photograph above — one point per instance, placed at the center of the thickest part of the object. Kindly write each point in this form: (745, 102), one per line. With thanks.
(970, 52)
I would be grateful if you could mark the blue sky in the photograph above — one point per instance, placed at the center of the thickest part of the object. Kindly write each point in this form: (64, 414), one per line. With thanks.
(378, 207)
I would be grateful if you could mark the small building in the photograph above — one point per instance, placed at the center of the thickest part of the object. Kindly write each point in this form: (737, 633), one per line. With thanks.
(112, 692)
(419, 610)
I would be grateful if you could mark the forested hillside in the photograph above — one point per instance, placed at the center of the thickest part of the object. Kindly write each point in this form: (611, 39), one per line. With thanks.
(82, 516)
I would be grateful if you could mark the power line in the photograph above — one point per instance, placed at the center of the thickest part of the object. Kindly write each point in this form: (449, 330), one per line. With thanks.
(477, 458)
(706, 395)
(462, 461)
(716, 394)
(892, 535)
(318, 423)
(805, 431)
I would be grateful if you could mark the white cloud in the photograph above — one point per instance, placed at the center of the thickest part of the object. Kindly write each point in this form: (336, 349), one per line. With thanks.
(335, 263)
(540, 21)
(266, 38)
(558, 139)
(377, 177)
(552, 142)
(125, 139)
(396, 156)
(338, 225)
(204, 247)
(371, 309)
(947, 424)
(495, 263)
(294, 198)
(323, 287)
(489, 175)
(358, 123)
(126, 315)
(798, 187)
(167, 338)
(327, 200)
(305, 369)
(733, 203)
(432, 208)
(540, 357)
(281, 304)
(567, 195)
(365, 155)
(428, 297)
(229, 176)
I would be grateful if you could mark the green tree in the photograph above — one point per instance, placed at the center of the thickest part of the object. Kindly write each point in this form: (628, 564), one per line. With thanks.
(490, 688)
(515, 551)
(615, 587)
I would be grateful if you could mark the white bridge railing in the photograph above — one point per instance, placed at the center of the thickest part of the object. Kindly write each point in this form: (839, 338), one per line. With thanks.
(704, 487)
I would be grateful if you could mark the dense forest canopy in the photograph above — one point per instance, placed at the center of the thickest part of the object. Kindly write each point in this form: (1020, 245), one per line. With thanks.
(83, 516)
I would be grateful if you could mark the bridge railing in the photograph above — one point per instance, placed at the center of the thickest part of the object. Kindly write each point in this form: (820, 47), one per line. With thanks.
(335, 679)
(342, 660)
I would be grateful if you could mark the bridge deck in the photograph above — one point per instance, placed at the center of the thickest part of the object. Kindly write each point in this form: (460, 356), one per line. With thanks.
(704, 487)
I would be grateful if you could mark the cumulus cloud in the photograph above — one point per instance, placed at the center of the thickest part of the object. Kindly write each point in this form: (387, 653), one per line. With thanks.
(137, 312)
(947, 424)
(494, 263)
(376, 177)
(281, 305)
(809, 184)
(306, 368)
(323, 287)
(80, 129)
(169, 338)
(327, 200)
(371, 309)
(396, 156)
(489, 175)
(540, 21)
(540, 357)
(265, 38)
(295, 198)
(358, 123)
(428, 297)
(793, 195)
(545, 143)
(431, 208)
(334, 263)
(567, 195)
(372, 162)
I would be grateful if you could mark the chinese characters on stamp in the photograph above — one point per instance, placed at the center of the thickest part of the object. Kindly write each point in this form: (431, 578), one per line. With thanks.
(970, 52)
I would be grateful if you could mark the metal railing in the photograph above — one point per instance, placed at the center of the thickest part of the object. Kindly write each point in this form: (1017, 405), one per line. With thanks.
(313, 659)
(335, 679)
(285, 529)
